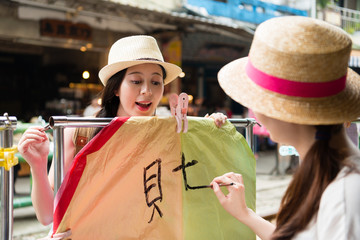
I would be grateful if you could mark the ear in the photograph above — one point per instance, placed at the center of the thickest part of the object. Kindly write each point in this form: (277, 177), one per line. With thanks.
(116, 92)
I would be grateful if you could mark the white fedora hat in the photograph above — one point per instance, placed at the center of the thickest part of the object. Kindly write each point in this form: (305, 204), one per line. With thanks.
(135, 50)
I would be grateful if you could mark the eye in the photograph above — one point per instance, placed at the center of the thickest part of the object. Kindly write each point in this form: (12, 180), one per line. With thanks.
(157, 80)
(136, 81)
(156, 83)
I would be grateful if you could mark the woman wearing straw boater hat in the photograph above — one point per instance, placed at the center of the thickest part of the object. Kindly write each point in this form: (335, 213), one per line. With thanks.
(297, 82)
(134, 80)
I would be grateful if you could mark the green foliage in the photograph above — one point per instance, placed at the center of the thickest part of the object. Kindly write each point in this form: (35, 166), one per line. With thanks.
(323, 3)
(353, 28)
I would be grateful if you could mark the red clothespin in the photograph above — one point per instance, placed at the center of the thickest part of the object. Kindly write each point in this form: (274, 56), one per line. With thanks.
(178, 107)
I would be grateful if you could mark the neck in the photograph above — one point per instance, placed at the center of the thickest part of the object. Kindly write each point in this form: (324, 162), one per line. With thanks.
(305, 138)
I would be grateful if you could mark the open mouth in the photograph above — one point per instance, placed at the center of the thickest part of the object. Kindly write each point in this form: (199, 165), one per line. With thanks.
(143, 106)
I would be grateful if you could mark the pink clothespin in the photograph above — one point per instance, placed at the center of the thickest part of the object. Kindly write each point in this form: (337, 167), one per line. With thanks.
(173, 102)
(178, 108)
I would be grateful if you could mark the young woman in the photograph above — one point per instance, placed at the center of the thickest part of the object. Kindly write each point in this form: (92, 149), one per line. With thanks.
(134, 82)
(297, 82)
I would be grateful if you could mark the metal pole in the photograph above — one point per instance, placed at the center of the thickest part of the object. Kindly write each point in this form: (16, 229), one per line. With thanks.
(7, 191)
(357, 120)
(62, 121)
(58, 124)
(249, 135)
(248, 124)
(58, 157)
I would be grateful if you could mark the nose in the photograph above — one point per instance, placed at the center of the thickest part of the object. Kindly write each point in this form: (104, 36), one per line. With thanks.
(146, 89)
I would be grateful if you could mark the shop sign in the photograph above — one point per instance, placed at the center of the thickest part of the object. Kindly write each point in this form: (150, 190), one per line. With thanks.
(65, 29)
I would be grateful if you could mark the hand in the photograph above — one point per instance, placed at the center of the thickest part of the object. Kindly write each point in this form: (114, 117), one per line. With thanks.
(218, 117)
(234, 202)
(58, 236)
(34, 147)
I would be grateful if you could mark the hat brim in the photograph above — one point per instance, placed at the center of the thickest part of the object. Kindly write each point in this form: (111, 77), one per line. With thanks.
(339, 108)
(172, 70)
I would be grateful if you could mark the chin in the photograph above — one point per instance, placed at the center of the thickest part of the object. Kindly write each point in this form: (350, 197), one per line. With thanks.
(146, 114)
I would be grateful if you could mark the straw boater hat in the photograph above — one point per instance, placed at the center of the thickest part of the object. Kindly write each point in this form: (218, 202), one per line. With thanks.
(135, 50)
(297, 71)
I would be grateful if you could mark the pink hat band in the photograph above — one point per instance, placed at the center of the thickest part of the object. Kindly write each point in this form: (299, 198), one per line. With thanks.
(292, 88)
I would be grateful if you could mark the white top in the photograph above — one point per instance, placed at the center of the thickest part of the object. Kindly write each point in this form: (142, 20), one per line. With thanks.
(339, 211)
(90, 111)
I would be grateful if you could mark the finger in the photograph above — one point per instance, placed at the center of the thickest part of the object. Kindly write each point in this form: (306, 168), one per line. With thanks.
(31, 132)
(239, 178)
(31, 142)
(63, 235)
(34, 129)
(228, 174)
(212, 116)
(217, 180)
(23, 148)
(218, 122)
(235, 177)
(219, 194)
(36, 137)
(238, 183)
(222, 180)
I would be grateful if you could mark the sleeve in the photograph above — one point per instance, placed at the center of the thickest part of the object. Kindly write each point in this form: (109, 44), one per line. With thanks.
(352, 204)
(339, 212)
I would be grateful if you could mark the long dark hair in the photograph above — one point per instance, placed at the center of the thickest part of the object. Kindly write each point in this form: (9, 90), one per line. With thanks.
(317, 170)
(109, 101)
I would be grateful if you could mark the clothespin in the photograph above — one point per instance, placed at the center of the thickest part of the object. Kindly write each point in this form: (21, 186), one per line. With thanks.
(173, 102)
(178, 108)
(7, 157)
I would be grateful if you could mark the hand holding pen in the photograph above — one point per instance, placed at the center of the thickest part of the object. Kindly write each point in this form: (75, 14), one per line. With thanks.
(211, 186)
(234, 201)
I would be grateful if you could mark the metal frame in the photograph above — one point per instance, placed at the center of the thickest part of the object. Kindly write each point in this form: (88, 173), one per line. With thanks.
(58, 123)
(7, 126)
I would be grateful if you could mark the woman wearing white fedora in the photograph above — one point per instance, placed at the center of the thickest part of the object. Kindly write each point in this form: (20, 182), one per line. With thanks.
(297, 82)
(134, 82)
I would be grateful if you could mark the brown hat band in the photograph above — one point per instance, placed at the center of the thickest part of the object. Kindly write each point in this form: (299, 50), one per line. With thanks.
(149, 59)
(292, 88)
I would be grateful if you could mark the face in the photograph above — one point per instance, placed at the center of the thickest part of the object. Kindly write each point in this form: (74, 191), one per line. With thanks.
(280, 131)
(141, 90)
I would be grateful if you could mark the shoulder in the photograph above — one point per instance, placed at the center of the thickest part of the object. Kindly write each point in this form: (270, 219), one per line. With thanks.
(340, 207)
(81, 137)
(344, 189)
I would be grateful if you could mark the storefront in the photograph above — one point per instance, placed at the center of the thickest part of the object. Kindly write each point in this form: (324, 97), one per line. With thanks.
(46, 46)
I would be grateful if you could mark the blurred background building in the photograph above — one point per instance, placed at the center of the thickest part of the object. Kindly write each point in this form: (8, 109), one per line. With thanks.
(51, 50)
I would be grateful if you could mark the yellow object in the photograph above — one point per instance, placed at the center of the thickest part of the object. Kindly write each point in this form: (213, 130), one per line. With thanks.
(7, 157)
